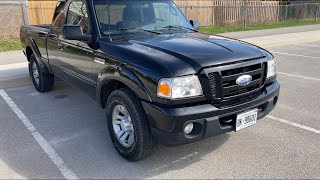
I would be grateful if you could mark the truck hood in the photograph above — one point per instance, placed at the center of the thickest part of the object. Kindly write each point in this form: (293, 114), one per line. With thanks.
(188, 53)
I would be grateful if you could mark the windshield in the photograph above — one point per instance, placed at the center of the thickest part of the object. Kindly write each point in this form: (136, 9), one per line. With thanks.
(118, 16)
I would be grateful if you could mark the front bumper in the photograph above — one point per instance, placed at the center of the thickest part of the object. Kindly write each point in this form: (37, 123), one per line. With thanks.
(167, 124)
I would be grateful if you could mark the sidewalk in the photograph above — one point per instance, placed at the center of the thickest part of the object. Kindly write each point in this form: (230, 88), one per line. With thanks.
(284, 39)
(270, 32)
(11, 57)
(13, 70)
(269, 38)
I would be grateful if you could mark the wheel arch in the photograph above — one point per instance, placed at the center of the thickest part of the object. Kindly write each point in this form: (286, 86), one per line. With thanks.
(117, 78)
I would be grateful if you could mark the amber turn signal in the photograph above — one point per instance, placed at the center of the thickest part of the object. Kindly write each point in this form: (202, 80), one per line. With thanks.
(164, 89)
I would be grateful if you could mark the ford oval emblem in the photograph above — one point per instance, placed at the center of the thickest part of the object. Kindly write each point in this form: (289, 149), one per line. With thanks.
(244, 80)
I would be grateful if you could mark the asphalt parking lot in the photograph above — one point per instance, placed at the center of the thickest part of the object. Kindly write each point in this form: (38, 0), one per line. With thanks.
(64, 133)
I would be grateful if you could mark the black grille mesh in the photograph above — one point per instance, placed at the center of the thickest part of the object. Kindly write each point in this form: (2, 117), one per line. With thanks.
(212, 79)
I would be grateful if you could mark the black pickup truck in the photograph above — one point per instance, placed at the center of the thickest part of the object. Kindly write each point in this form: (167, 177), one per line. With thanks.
(159, 79)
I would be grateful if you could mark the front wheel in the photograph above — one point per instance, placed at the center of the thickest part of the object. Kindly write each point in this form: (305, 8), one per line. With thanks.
(128, 127)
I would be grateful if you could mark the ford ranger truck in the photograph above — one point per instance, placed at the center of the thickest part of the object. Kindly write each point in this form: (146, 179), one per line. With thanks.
(159, 79)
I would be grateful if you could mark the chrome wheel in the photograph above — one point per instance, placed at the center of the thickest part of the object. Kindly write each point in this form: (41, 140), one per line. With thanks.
(123, 126)
(35, 73)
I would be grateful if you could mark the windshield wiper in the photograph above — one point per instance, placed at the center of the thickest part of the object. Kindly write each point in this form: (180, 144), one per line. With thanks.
(126, 29)
(150, 31)
(146, 30)
(178, 26)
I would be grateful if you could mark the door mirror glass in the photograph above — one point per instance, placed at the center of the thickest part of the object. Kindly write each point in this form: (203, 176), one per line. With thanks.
(74, 32)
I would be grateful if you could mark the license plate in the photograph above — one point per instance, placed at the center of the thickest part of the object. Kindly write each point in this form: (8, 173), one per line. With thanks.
(246, 119)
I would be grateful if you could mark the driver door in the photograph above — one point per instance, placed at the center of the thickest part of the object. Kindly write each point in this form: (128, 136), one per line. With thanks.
(76, 57)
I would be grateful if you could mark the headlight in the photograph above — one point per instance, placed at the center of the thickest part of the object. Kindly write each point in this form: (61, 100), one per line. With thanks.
(181, 87)
(272, 68)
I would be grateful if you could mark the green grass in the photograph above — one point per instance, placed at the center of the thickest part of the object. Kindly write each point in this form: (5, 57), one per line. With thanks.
(10, 45)
(219, 29)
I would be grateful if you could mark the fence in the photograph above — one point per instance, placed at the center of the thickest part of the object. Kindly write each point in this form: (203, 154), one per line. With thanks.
(11, 18)
(208, 12)
(225, 15)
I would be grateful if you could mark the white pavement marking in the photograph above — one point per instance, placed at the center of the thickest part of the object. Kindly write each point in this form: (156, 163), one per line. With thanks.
(310, 78)
(298, 55)
(48, 149)
(295, 124)
(176, 161)
(13, 66)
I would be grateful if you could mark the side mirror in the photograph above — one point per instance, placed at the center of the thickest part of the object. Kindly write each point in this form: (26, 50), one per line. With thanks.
(74, 32)
(195, 24)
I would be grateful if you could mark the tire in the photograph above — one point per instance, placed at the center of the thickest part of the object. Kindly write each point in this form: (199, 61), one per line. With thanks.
(143, 143)
(42, 80)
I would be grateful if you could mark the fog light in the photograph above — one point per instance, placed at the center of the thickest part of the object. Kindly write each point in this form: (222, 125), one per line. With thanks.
(188, 129)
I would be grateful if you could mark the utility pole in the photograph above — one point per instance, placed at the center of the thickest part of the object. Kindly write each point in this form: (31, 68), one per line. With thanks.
(244, 9)
(24, 5)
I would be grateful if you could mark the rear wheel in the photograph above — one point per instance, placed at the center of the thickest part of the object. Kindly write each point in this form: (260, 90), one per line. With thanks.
(128, 127)
(42, 80)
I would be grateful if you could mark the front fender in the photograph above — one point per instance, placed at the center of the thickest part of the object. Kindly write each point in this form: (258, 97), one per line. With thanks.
(125, 76)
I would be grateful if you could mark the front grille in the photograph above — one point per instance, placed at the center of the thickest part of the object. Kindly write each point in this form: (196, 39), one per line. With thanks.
(232, 90)
(225, 90)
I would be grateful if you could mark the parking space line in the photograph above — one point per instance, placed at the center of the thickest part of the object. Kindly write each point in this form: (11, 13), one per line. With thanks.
(298, 55)
(294, 124)
(310, 78)
(176, 161)
(47, 148)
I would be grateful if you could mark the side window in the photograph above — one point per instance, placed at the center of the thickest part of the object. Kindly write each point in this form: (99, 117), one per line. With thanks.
(161, 10)
(116, 13)
(165, 12)
(77, 15)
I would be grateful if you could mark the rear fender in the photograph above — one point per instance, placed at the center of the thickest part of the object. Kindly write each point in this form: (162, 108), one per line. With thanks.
(30, 43)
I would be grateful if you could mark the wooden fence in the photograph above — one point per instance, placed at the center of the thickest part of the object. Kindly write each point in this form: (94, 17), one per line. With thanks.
(40, 12)
(233, 12)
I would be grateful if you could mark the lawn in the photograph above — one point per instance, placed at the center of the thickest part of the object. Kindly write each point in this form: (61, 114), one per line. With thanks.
(10, 45)
(219, 29)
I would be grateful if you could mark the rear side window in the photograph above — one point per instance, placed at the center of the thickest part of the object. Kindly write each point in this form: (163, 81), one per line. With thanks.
(78, 15)
(59, 15)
